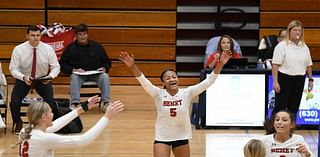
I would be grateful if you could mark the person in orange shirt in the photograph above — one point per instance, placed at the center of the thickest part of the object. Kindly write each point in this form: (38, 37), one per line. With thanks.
(225, 44)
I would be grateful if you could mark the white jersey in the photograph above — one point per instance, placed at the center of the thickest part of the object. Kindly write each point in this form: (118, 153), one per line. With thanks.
(173, 118)
(41, 144)
(286, 149)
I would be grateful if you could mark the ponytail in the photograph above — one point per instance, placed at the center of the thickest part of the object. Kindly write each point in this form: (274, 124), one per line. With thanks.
(24, 135)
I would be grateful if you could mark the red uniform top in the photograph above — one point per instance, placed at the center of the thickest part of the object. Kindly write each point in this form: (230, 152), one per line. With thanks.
(211, 58)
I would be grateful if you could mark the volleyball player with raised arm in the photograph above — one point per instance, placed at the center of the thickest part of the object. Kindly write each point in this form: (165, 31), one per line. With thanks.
(173, 128)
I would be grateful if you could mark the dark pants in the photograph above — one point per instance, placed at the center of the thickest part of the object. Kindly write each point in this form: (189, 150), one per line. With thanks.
(21, 89)
(289, 97)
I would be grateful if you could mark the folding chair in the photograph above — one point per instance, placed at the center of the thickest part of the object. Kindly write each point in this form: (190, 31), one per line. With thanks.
(89, 89)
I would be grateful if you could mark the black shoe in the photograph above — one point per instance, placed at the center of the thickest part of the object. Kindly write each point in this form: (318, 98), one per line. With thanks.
(74, 105)
(104, 106)
(18, 127)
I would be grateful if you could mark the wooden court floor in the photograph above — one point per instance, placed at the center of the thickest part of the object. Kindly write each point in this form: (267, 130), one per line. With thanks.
(131, 133)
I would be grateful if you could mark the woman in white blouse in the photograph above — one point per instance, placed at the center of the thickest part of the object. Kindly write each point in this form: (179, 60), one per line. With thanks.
(291, 60)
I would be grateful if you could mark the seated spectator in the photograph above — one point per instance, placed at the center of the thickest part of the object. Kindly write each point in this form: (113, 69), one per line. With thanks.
(267, 45)
(225, 44)
(280, 140)
(254, 148)
(85, 55)
(212, 47)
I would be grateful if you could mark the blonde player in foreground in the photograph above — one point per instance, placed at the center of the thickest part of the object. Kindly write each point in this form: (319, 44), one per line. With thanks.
(39, 139)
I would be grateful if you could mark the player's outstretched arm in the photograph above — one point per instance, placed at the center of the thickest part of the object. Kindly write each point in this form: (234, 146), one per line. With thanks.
(224, 58)
(129, 61)
(113, 109)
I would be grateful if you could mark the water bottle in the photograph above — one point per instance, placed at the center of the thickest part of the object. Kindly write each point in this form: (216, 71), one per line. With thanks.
(260, 64)
(268, 64)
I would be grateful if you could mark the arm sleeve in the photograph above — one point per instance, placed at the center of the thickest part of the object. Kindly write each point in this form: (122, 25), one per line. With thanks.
(15, 64)
(55, 140)
(64, 60)
(203, 85)
(309, 56)
(262, 44)
(62, 121)
(0, 68)
(148, 86)
(53, 62)
(3, 80)
(278, 54)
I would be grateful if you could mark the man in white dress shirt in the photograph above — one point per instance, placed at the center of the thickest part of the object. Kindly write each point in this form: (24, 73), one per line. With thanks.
(26, 69)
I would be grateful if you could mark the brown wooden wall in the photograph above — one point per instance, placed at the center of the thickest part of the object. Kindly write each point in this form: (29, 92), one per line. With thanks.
(143, 27)
(276, 14)
(148, 29)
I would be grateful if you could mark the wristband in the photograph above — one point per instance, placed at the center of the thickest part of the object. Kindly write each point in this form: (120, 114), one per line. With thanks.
(85, 107)
(311, 79)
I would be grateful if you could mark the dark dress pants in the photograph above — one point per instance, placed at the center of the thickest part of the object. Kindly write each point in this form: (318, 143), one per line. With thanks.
(289, 97)
(19, 92)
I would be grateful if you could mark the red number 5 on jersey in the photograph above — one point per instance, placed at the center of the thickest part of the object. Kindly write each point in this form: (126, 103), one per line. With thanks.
(173, 112)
